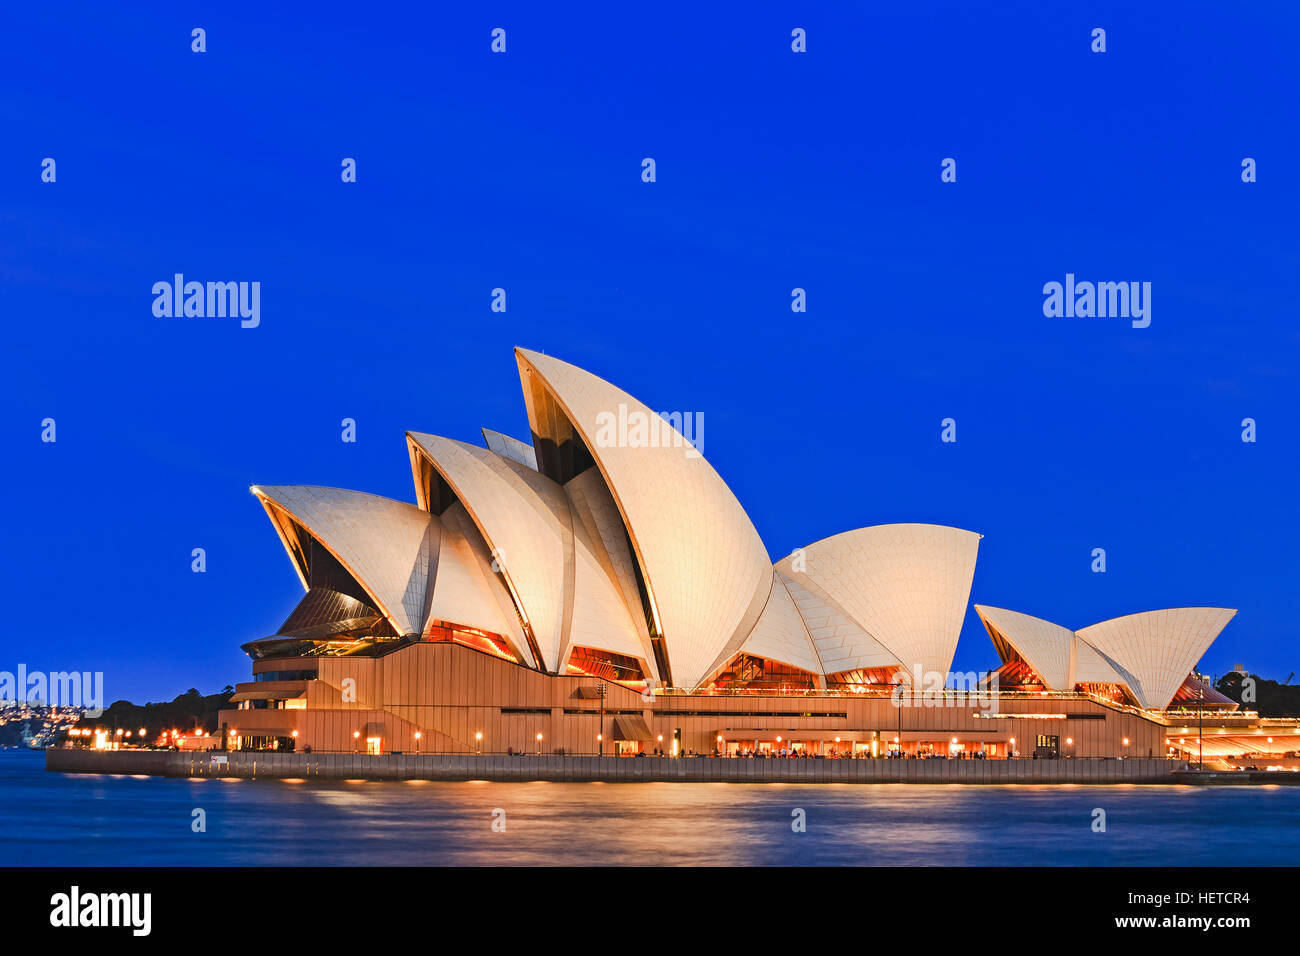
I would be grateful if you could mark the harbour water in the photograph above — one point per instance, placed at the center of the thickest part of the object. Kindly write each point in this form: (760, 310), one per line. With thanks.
(55, 819)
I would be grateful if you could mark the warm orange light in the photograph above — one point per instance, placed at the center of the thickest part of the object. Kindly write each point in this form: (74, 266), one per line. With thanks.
(295, 733)
(539, 736)
(837, 739)
(1069, 740)
(1125, 741)
(600, 736)
(719, 738)
(778, 738)
(356, 734)
(418, 735)
(661, 738)
(479, 735)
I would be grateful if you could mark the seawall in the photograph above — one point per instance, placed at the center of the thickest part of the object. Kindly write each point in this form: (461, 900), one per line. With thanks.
(582, 769)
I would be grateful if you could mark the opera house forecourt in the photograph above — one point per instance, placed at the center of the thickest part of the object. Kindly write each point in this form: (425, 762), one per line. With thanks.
(600, 590)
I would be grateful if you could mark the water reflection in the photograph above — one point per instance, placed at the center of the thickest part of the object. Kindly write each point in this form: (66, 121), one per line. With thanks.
(58, 819)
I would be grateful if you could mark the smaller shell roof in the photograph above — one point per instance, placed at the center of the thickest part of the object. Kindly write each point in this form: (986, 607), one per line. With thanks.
(385, 545)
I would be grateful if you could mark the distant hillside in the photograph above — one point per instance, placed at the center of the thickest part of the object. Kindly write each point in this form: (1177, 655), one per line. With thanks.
(191, 709)
(1271, 698)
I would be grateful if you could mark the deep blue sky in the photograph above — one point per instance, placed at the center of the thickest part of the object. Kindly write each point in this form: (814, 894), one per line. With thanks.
(775, 170)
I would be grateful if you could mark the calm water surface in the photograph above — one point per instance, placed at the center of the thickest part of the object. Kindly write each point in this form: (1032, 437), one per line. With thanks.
(86, 820)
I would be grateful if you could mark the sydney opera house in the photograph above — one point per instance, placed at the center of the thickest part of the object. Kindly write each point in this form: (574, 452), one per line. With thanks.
(600, 589)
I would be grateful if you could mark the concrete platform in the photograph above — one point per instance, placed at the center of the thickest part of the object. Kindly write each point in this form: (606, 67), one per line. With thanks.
(578, 769)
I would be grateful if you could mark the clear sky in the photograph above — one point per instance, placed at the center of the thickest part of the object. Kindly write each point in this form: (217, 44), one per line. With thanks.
(775, 170)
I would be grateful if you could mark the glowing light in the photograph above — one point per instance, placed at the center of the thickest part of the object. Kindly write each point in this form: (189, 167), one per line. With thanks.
(1069, 740)
(418, 735)
(356, 734)
(1125, 741)
(479, 735)
(295, 733)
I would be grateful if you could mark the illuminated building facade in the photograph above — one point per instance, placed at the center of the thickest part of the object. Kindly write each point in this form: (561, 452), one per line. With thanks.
(600, 589)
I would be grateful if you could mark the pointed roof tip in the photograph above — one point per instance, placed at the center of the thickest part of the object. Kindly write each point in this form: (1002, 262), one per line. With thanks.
(880, 527)
(1230, 611)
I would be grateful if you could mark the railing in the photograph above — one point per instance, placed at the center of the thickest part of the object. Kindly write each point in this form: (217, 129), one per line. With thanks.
(980, 693)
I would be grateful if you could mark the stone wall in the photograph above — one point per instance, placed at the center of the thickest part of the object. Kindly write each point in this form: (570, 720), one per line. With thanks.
(610, 769)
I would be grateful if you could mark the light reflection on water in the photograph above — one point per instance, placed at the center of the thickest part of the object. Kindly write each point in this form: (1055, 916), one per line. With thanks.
(66, 819)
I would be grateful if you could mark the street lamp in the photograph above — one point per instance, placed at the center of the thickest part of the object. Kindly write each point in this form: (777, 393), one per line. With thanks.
(418, 735)
(539, 745)
(1200, 726)
(899, 685)
(478, 739)
(600, 738)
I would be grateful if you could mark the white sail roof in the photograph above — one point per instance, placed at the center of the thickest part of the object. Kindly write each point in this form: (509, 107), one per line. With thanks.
(907, 585)
(1159, 648)
(780, 634)
(841, 643)
(525, 519)
(465, 590)
(386, 545)
(705, 568)
(1045, 646)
